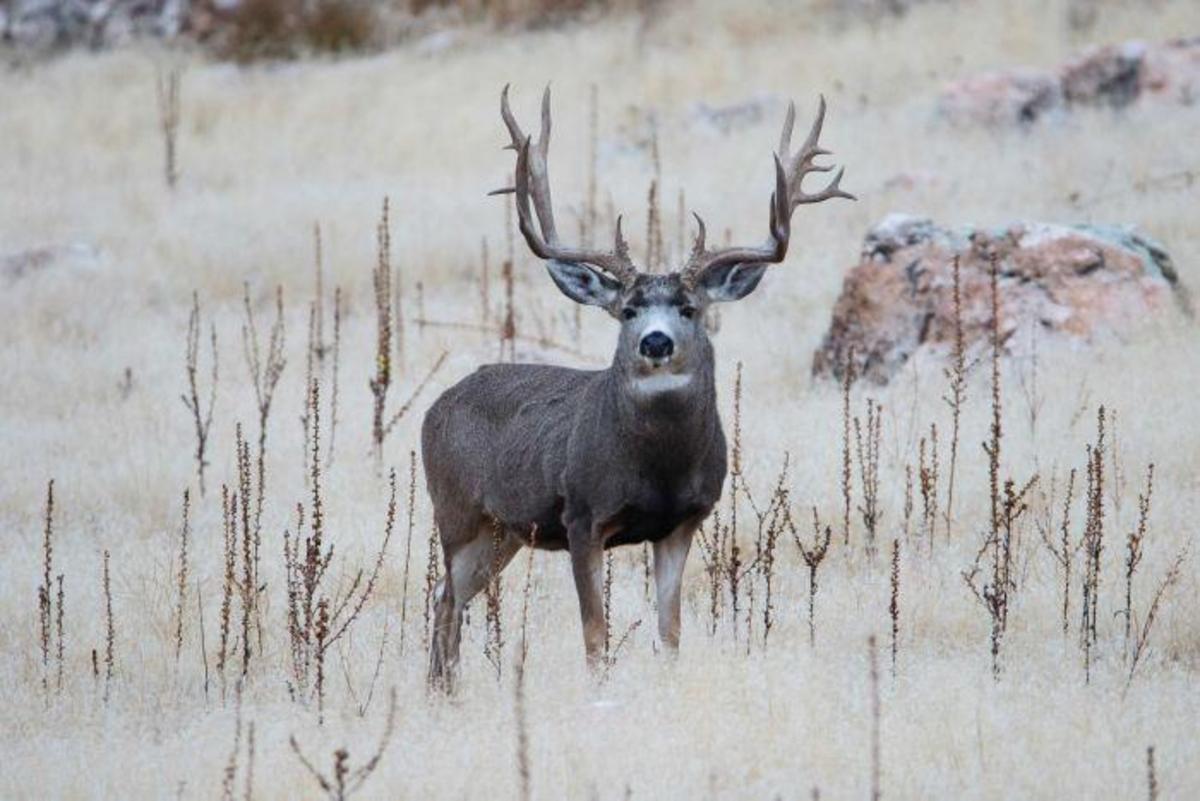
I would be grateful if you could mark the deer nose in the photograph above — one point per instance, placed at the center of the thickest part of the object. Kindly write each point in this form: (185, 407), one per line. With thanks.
(656, 345)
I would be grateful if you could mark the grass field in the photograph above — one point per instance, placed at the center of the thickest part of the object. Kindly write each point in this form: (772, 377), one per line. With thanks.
(92, 351)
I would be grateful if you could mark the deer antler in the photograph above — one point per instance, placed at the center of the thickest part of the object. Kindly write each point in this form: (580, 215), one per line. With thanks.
(789, 173)
(532, 180)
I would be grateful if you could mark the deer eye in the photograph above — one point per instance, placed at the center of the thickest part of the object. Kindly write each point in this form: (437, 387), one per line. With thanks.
(628, 313)
(688, 312)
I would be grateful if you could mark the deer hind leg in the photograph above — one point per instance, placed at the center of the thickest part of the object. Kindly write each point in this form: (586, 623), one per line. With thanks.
(670, 556)
(468, 569)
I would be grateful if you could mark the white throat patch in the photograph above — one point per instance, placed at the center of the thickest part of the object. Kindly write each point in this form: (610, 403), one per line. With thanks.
(660, 382)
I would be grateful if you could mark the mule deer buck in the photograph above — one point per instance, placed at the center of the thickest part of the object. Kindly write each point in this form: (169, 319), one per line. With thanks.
(585, 460)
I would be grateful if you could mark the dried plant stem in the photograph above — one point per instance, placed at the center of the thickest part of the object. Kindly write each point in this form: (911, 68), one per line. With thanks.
(333, 395)
(249, 792)
(868, 463)
(1064, 550)
(813, 556)
(229, 776)
(382, 280)
(1093, 543)
(45, 604)
(182, 575)
(876, 756)
(110, 631)
(431, 579)
(770, 525)
(1141, 634)
(315, 621)
(607, 604)
(1151, 775)
(494, 645)
(167, 94)
(229, 554)
(346, 780)
(524, 773)
(927, 476)
(894, 606)
(956, 398)
(508, 326)
(525, 595)
(416, 393)
(1133, 550)
(317, 336)
(203, 638)
(412, 513)
(1006, 507)
(908, 499)
(248, 586)
(310, 372)
(848, 379)
(264, 375)
(58, 620)
(485, 289)
(201, 418)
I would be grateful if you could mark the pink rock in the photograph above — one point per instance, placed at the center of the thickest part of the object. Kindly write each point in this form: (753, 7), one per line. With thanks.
(1104, 76)
(1172, 72)
(1114, 76)
(1069, 281)
(1003, 97)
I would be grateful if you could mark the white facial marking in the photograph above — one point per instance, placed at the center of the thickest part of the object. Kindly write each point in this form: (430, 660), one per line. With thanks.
(659, 319)
(660, 382)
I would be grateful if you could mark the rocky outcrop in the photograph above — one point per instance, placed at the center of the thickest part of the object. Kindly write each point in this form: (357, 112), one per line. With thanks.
(25, 263)
(49, 24)
(1070, 281)
(1113, 76)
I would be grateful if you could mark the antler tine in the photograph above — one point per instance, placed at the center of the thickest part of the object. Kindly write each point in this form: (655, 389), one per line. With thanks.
(701, 233)
(789, 174)
(532, 183)
(785, 137)
(804, 162)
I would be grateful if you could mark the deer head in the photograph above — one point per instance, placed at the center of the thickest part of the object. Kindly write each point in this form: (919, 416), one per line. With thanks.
(662, 330)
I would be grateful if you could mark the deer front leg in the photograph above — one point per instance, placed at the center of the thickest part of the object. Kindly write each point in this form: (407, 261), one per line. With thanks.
(587, 563)
(670, 555)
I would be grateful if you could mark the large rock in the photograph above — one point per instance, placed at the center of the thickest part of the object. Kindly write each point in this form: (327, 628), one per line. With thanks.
(1070, 281)
(1112, 76)
(25, 263)
(47, 24)
(1001, 97)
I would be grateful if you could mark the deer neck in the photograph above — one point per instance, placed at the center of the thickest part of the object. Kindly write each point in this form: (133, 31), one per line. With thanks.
(672, 415)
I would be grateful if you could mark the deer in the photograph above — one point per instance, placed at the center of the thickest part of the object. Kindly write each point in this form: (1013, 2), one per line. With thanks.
(558, 458)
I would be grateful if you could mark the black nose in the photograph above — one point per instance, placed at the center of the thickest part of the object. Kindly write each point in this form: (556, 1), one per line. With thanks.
(657, 345)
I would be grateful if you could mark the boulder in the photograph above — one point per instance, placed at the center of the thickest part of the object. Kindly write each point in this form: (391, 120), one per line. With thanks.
(25, 263)
(1001, 97)
(1075, 282)
(1111, 76)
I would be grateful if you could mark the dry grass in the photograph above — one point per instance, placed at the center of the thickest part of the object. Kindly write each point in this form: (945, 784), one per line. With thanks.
(91, 353)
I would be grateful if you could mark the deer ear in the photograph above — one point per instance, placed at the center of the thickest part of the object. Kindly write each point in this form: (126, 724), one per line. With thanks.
(732, 282)
(583, 284)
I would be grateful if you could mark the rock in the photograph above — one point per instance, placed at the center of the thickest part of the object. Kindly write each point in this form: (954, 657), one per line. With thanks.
(727, 119)
(1172, 72)
(1003, 97)
(1104, 76)
(22, 264)
(50, 24)
(1112, 76)
(1075, 282)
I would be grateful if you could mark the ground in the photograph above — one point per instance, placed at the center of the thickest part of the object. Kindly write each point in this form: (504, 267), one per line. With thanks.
(92, 351)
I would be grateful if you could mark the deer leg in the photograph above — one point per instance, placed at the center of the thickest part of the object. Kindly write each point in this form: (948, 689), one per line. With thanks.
(468, 570)
(670, 555)
(441, 668)
(587, 563)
